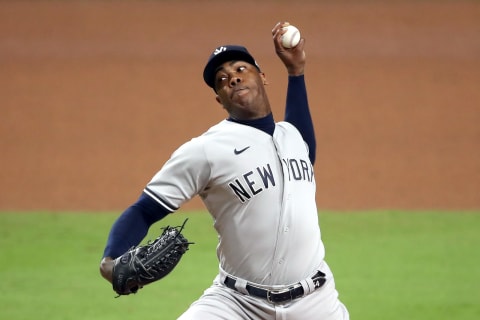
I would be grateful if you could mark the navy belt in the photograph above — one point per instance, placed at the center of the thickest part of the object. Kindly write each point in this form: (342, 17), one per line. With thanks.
(277, 296)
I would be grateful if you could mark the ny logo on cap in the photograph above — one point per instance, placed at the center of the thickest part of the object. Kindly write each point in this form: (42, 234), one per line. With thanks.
(219, 49)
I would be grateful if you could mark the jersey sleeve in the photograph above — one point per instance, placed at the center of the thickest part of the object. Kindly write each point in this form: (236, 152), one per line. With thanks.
(297, 112)
(183, 176)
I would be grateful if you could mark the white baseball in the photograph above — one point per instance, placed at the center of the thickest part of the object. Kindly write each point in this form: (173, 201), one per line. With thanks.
(290, 38)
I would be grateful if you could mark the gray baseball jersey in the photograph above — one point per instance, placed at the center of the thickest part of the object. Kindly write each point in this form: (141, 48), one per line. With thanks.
(260, 191)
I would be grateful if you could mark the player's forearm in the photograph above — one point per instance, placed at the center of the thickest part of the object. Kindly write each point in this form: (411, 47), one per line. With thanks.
(132, 226)
(129, 229)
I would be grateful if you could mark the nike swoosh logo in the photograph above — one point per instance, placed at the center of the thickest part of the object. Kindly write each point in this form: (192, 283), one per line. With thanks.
(240, 151)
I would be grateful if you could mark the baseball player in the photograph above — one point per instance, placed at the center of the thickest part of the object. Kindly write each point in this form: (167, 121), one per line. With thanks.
(256, 179)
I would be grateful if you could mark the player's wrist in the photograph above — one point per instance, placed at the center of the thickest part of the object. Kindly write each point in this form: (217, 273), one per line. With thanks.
(295, 71)
(106, 268)
(295, 76)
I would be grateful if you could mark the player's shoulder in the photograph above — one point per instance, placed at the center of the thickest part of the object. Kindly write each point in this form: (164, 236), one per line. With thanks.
(225, 130)
(289, 135)
(285, 124)
(199, 142)
(286, 128)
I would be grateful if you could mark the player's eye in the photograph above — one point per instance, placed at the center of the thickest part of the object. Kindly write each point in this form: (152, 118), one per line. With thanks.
(222, 78)
(241, 68)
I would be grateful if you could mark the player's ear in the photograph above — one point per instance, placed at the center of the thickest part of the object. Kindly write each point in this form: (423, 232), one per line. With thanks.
(218, 99)
(264, 78)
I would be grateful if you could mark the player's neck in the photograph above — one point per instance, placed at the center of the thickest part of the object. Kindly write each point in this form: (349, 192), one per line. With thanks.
(266, 124)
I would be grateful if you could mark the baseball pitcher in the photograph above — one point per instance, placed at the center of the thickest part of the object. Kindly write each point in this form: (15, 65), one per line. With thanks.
(256, 178)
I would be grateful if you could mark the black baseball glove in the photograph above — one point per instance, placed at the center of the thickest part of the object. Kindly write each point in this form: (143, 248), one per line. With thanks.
(142, 265)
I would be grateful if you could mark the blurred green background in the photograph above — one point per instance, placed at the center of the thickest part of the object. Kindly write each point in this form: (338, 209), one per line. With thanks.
(387, 264)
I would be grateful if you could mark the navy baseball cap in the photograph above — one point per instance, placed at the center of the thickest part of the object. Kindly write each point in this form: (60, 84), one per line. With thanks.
(223, 54)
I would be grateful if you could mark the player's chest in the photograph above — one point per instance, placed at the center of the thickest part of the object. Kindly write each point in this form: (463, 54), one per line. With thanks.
(263, 163)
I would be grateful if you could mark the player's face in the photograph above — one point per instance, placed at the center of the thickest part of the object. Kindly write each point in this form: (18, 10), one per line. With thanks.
(240, 89)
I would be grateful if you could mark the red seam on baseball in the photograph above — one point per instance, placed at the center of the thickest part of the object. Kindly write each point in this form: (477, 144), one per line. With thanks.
(293, 37)
(290, 43)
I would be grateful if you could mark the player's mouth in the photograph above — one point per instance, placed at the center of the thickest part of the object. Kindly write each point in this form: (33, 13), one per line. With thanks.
(239, 91)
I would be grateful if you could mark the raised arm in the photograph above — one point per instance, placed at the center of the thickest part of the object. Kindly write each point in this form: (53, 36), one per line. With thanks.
(297, 111)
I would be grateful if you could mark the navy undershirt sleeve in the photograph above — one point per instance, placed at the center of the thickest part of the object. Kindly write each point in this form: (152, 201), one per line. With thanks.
(297, 112)
(132, 225)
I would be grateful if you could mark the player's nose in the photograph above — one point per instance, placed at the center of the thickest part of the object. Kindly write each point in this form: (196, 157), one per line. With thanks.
(235, 80)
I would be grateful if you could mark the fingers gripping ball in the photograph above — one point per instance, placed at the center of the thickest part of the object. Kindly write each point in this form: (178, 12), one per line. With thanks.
(142, 265)
(291, 37)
